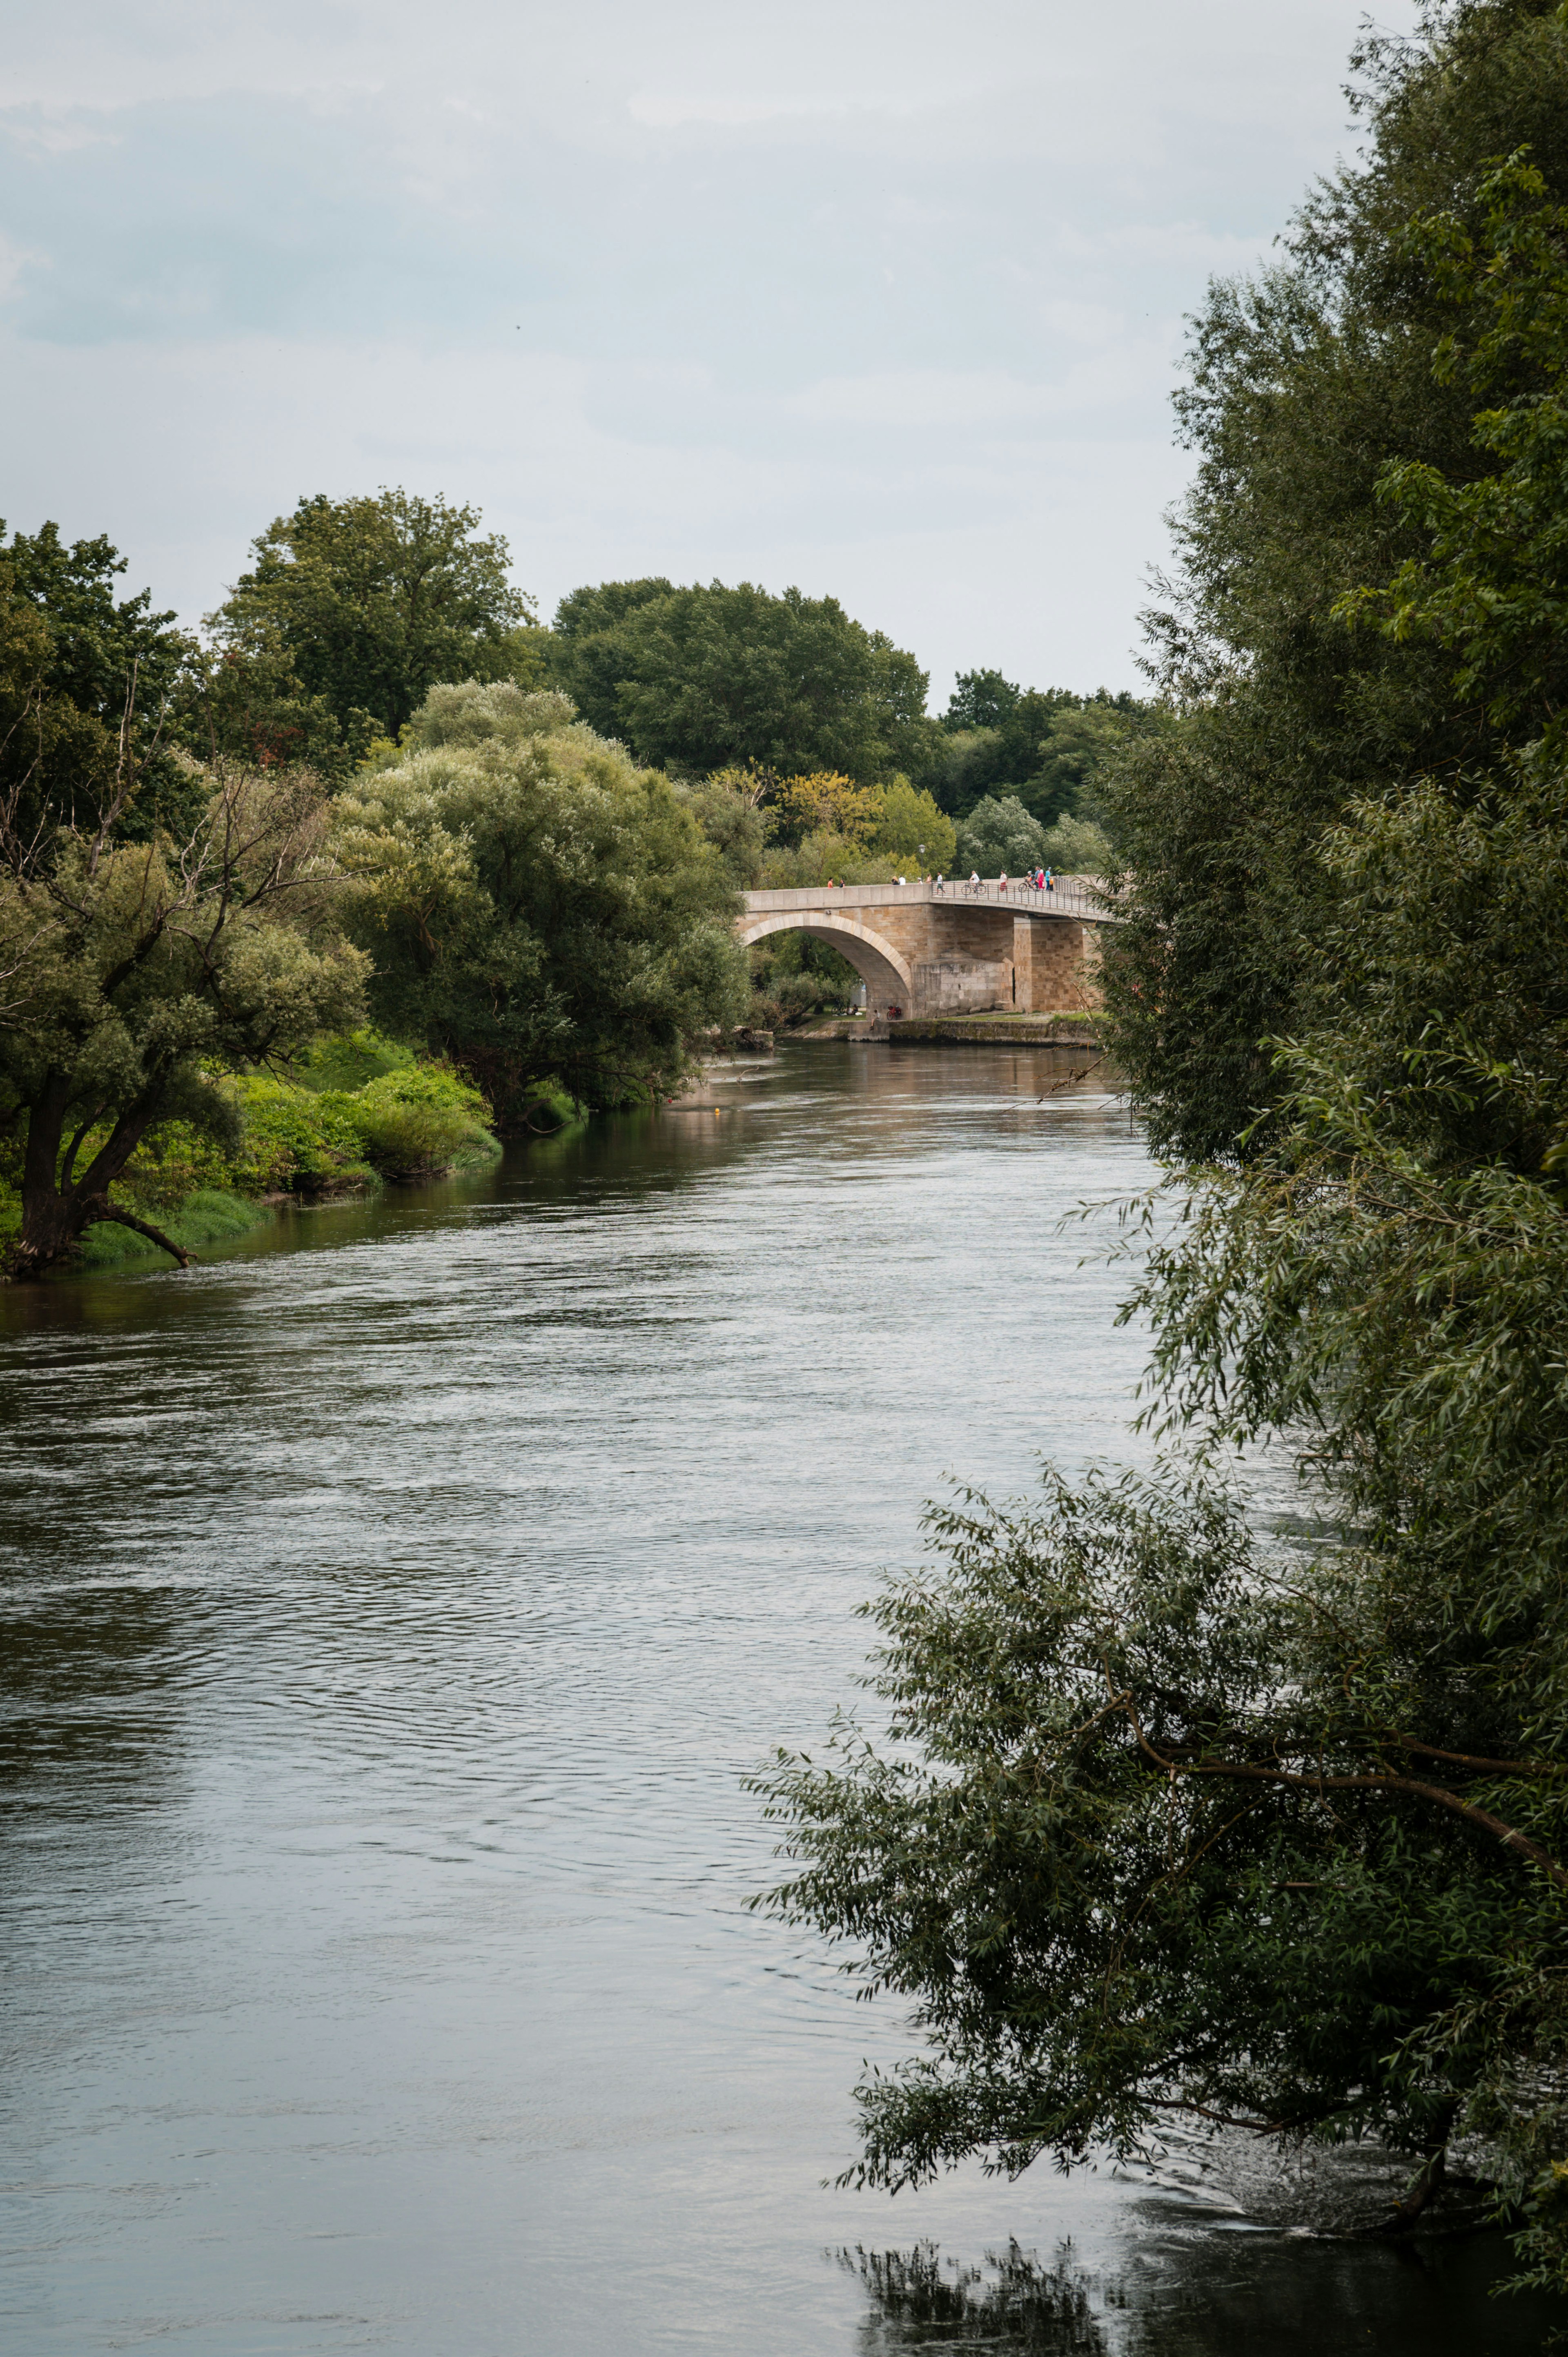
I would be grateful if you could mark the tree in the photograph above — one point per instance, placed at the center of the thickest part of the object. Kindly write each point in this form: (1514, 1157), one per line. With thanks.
(1000, 838)
(1044, 746)
(909, 826)
(96, 644)
(135, 971)
(86, 683)
(1306, 385)
(706, 678)
(826, 799)
(372, 601)
(1167, 1821)
(1150, 1835)
(246, 703)
(726, 806)
(540, 911)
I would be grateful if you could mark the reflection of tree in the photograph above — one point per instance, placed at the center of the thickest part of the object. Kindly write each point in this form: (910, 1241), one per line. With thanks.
(1012, 2304)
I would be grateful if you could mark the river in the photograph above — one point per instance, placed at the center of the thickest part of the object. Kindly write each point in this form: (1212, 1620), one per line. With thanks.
(393, 1606)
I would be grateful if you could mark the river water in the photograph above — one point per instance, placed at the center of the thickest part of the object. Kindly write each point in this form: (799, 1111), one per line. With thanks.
(393, 1606)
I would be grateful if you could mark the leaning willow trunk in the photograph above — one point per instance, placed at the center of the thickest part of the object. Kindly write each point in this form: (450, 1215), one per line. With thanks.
(57, 1207)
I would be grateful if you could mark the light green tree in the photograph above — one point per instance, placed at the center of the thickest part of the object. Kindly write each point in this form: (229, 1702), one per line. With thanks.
(911, 827)
(540, 909)
(999, 837)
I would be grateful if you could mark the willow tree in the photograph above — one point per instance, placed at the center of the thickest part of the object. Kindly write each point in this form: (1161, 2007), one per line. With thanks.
(132, 975)
(1305, 384)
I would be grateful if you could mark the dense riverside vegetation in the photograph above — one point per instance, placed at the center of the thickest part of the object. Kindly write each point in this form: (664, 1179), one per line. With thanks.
(1171, 1817)
(518, 848)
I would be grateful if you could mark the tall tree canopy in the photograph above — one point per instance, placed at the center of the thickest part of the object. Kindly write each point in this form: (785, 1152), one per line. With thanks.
(1307, 384)
(89, 684)
(706, 678)
(1041, 745)
(370, 602)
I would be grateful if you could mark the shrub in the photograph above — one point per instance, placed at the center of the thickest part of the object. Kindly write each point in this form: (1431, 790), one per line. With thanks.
(424, 1118)
(296, 1139)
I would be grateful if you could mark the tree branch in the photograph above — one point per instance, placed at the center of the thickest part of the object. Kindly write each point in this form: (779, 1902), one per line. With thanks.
(117, 1218)
(1254, 1771)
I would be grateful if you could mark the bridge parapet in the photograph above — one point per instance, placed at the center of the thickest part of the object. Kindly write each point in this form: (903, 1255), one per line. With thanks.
(1070, 895)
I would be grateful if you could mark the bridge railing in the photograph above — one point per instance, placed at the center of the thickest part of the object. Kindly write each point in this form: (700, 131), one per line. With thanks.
(1066, 896)
(1070, 896)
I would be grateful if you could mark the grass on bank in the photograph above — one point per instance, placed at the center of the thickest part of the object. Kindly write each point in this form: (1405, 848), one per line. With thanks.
(360, 1111)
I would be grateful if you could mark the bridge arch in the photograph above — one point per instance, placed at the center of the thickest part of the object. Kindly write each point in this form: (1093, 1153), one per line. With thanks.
(888, 980)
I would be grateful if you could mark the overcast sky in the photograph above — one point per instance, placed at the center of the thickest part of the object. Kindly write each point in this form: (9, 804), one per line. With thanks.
(882, 300)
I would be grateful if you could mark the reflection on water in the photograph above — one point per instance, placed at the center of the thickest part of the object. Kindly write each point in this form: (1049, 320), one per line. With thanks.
(1181, 2296)
(1010, 2302)
(393, 1606)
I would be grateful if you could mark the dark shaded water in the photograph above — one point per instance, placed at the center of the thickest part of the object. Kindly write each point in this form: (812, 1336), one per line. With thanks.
(389, 1621)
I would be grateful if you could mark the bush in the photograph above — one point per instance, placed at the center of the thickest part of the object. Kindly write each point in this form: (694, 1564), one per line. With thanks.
(347, 1059)
(296, 1140)
(1076, 846)
(422, 1118)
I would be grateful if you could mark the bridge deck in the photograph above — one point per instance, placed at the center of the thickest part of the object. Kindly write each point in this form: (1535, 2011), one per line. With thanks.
(1072, 896)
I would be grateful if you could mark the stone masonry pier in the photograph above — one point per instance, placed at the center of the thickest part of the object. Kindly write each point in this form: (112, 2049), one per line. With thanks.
(951, 949)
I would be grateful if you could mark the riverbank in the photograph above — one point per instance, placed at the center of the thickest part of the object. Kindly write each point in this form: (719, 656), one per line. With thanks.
(361, 1112)
(1063, 1030)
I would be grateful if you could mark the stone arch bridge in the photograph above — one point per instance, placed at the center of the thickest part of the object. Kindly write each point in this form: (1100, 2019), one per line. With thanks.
(950, 948)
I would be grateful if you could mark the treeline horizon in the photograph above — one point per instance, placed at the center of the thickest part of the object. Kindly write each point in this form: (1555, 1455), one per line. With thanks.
(354, 607)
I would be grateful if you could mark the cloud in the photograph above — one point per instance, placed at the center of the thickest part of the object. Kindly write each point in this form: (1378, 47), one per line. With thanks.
(835, 293)
(952, 546)
(670, 110)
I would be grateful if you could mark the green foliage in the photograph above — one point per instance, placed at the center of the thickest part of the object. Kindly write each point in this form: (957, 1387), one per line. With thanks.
(86, 688)
(1311, 391)
(726, 807)
(795, 979)
(423, 1117)
(347, 1060)
(244, 700)
(1076, 846)
(96, 644)
(999, 837)
(1082, 743)
(317, 1139)
(703, 678)
(1047, 747)
(1168, 1819)
(208, 1217)
(1150, 1833)
(133, 969)
(367, 603)
(539, 910)
(912, 830)
(1492, 587)
(295, 1140)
